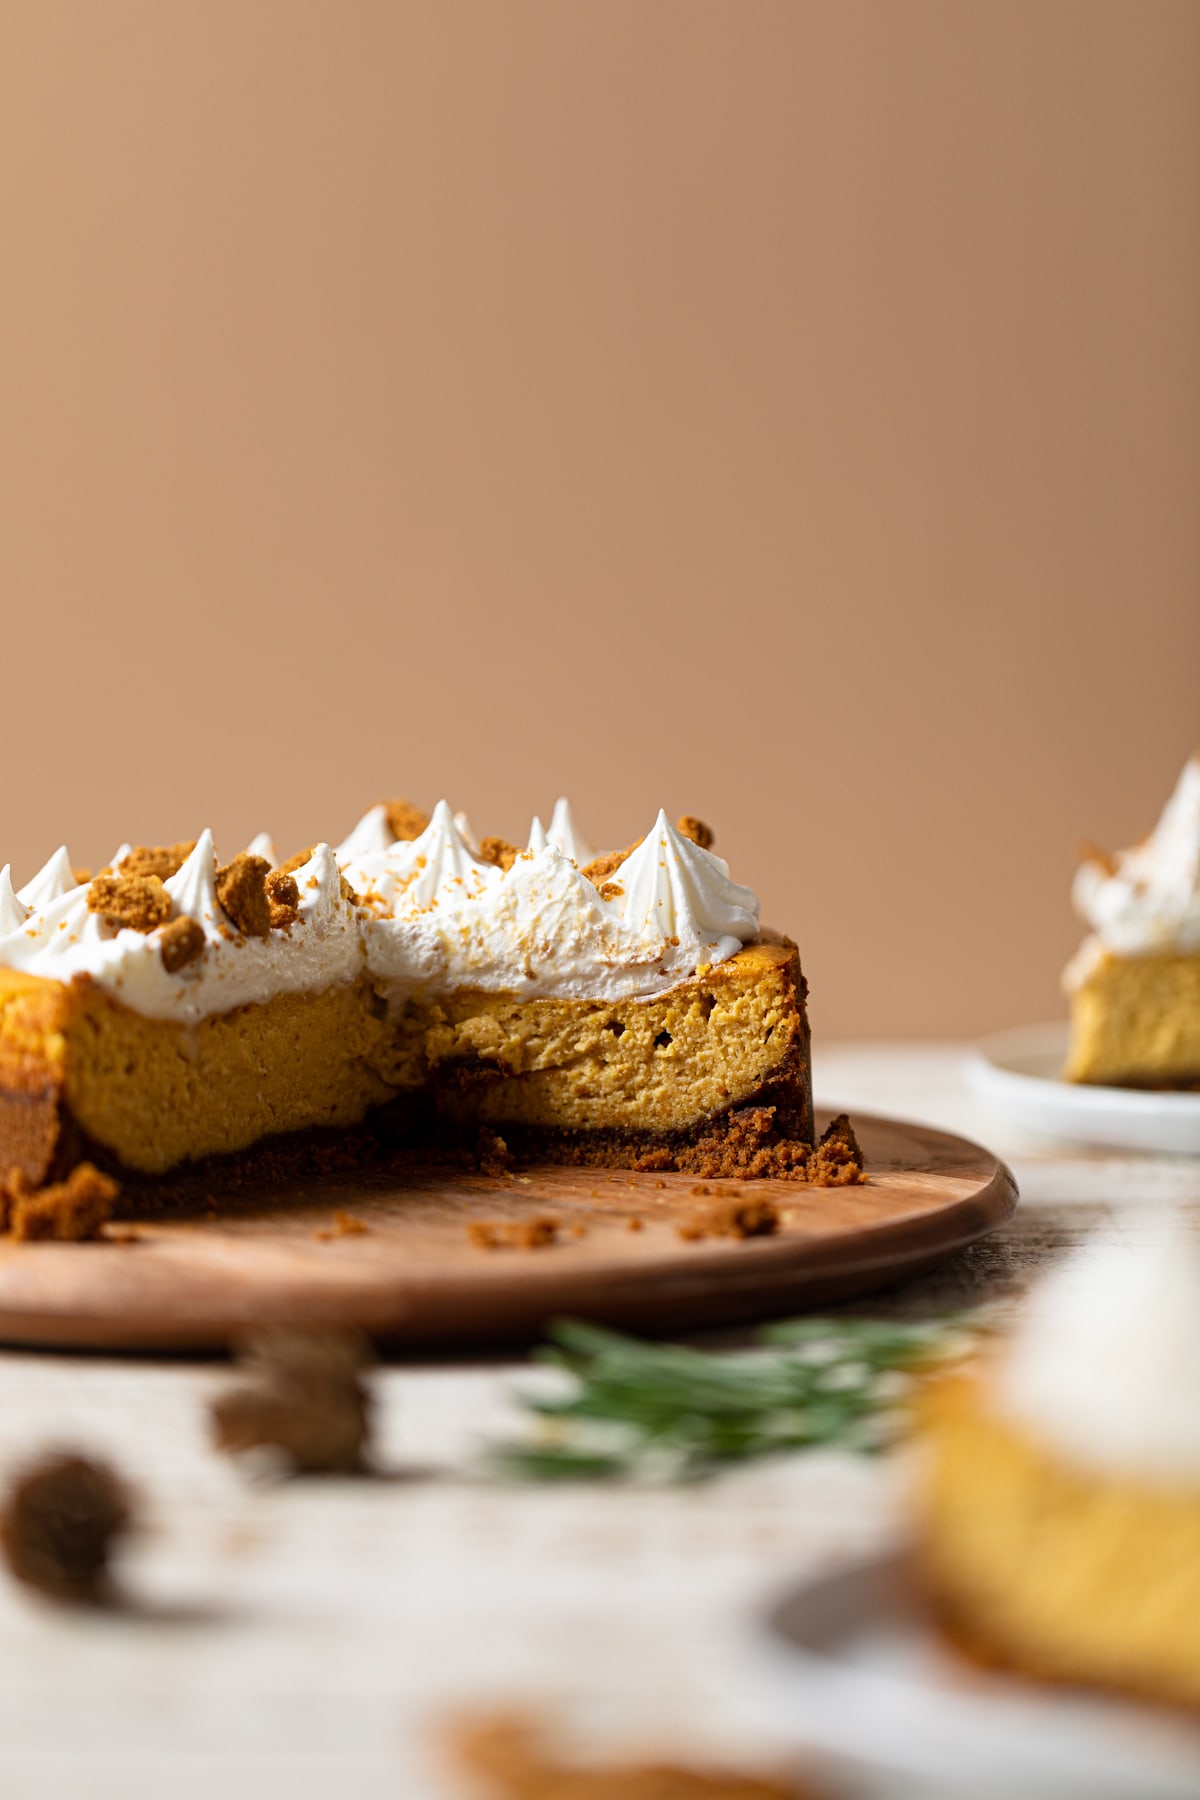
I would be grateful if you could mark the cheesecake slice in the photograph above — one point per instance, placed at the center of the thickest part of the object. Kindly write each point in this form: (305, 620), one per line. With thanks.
(1134, 985)
(1058, 1505)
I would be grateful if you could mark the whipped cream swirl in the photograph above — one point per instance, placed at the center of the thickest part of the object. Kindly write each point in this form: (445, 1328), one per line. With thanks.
(435, 917)
(47, 930)
(431, 916)
(1150, 901)
(1106, 1364)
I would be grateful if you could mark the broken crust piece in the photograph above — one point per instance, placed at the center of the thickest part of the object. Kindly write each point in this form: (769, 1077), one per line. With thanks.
(731, 1215)
(71, 1211)
(837, 1160)
(515, 1234)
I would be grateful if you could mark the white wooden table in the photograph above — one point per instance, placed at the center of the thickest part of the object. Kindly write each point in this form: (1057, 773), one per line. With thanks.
(311, 1638)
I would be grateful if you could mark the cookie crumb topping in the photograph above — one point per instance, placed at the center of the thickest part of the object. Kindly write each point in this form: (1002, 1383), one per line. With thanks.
(283, 897)
(601, 867)
(405, 821)
(695, 829)
(242, 891)
(182, 941)
(136, 902)
(499, 852)
(163, 860)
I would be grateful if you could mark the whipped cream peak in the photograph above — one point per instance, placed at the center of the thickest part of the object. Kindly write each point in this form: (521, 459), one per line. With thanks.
(263, 844)
(564, 834)
(1105, 1365)
(54, 879)
(370, 836)
(436, 917)
(468, 837)
(1148, 898)
(193, 887)
(440, 859)
(423, 916)
(12, 914)
(675, 889)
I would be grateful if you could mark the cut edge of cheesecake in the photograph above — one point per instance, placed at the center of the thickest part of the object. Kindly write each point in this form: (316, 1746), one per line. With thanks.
(712, 1077)
(1135, 1020)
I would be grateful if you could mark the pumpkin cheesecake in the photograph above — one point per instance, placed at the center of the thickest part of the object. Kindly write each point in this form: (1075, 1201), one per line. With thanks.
(415, 984)
(1058, 1515)
(1134, 985)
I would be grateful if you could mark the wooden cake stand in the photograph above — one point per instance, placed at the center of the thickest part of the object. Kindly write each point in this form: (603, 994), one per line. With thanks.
(415, 1280)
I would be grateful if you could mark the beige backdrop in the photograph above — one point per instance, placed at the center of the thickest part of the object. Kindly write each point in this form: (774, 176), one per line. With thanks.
(785, 412)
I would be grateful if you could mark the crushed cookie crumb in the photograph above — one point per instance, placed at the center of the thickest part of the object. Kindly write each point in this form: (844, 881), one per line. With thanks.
(730, 1215)
(182, 941)
(283, 898)
(138, 902)
(405, 821)
(163, 860)
(695, 829)
(491, 1152)
(81, 876)
(295, 862)
(837, 1160)
(499, 852)
(506, 1758)
(611, 890)
(514, 1234)
(71, 1211)
(601, 867)
(344, 1225)
(59, 1523)
(242, 891)
(635, 1225)
(303, 1395)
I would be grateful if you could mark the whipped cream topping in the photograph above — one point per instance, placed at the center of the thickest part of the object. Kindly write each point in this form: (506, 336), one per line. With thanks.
(1105, 1366)
(60, 939)
(564, 834)
(431, 916)
(436, 918)
(1150, 901)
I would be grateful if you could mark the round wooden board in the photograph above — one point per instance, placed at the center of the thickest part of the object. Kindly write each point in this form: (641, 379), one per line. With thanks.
(414, 1280)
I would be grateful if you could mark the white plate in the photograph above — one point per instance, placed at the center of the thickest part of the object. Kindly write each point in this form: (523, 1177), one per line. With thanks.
(1017, 1072)
(851, 1670)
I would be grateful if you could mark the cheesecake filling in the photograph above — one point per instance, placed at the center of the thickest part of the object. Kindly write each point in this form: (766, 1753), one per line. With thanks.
(1146, 900)
(426, 917)
(1106, 1363)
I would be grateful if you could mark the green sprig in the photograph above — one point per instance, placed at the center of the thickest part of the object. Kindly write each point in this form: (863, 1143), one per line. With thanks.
(637, 1410)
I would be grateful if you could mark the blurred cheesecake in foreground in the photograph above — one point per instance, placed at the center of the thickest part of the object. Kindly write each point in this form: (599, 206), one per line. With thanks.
(1059, 1510)
(625, 1009)
(1134, 985)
